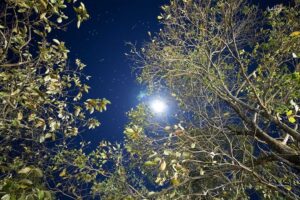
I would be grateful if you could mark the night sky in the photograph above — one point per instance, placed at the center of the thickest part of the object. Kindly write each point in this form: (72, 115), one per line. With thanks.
(100, 43)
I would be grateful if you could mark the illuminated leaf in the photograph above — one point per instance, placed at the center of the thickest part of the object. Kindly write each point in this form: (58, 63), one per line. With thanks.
(150, 163)
(159, 17)
(295, 34)
(288, 187)
(25, 170)
(63, 173)
(289, 113)
(193, 145)
(292, 119)
(163, 166)
(6, 197)
(20, 116)
(42, 139)
(175, 182)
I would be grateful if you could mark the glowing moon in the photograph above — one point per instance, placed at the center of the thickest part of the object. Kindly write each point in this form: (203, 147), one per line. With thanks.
(158, 106)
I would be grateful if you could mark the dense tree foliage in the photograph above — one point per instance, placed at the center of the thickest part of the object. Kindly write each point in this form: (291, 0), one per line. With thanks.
(232, 68)
(234, 71)
(41, 105)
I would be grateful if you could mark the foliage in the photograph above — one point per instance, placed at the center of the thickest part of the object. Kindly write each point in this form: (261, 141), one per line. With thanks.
(234, 71)
(42, 106)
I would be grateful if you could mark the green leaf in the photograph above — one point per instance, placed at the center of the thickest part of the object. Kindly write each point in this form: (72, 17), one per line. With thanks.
(150, 163)
(289, 113)
(175, 182)
(292, 119)
(41, 194)
(288, 187)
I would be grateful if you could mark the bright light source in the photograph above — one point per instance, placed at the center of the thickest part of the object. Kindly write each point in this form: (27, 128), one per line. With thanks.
(158, 106)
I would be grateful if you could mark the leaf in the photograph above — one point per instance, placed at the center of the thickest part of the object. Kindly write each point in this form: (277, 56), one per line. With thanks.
(25, 170)
(6, 197)
(38, 33)
(39, 123)
(151, 193)
(178, 154)
(93, 123)
(193, 145)
(48, 135)
(294, 55)
(43, 16)
(42, 139)
(295, 34)
(163, 166)
(44, 3)
(78, 23)
(38, 172)
(26, 181)
(56, 41)
(59, 20)
(167, 152)
(20, 116)
(41, 194)
(175, 182)
(201, 172)
(289, 113)
(17, 91)
(159, 17)
(63, 173)
(288, 187)
(77, 110)
(292, 119)
(150, 163)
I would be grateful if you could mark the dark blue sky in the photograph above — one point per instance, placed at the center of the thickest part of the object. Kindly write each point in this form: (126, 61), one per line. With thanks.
(100, 43)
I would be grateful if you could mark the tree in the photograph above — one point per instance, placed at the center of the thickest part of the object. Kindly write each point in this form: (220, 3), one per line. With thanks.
(234, 71)
(41, 105)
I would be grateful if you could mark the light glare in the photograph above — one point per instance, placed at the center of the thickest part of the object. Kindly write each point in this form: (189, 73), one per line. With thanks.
(158, 106)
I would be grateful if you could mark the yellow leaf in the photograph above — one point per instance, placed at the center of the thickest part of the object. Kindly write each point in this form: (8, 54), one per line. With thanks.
(292, 119)
(289, 188)
(63, 173)
(289, 113)
(295, 34)
(20, 116)
(175, 182)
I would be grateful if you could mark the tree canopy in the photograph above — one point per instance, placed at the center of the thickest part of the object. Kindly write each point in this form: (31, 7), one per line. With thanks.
(233, 68)
(42, 107)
